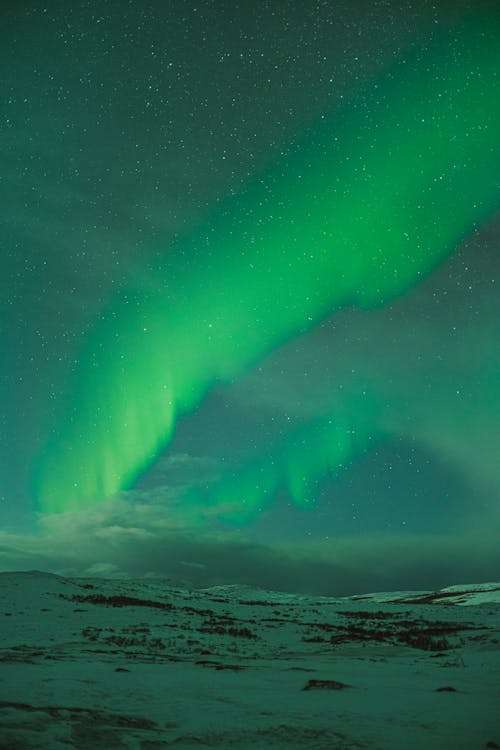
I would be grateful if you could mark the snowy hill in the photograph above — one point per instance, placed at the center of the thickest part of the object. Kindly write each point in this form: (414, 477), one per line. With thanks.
(146, 664)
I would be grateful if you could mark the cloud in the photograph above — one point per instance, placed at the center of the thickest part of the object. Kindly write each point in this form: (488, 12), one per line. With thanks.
(126, 540)
(182, 471)
(103, 570)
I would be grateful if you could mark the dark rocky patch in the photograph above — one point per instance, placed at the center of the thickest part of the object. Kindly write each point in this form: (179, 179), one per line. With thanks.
(218, 666)
(299, 669)
(325, 685)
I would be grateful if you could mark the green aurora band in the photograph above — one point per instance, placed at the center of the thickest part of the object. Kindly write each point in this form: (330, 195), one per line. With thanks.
(305, 456)
(356, 214)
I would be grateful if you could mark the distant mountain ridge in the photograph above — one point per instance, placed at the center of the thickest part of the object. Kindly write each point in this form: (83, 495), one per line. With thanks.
(460, 594)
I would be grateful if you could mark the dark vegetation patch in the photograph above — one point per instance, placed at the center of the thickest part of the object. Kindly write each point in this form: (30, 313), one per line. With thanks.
(483, 638)
(437, 596)
(360, 597)
(327, 627)
(142, 627)
(219, 620)
(137, 638)
(61, 713)
(315, 639)
(379, 615)
(423, 640)
(426, 636)
(221, 630)
(196, 611)
(23, 654)
(150, 644)
(274, 737)
(117, 601)
(91, 633)
(421, 634)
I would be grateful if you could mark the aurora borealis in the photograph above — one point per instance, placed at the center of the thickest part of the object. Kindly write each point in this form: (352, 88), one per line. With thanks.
(232, 352)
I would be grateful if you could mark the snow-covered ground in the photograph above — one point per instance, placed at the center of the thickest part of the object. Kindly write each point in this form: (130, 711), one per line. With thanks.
(103, 664)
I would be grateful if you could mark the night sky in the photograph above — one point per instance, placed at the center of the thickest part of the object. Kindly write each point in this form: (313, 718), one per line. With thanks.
(249, 299)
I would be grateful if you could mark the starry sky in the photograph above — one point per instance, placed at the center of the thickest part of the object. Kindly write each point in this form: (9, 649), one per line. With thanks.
(249, 302)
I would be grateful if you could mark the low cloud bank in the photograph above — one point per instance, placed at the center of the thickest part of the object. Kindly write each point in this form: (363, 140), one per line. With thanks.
(120, 539)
